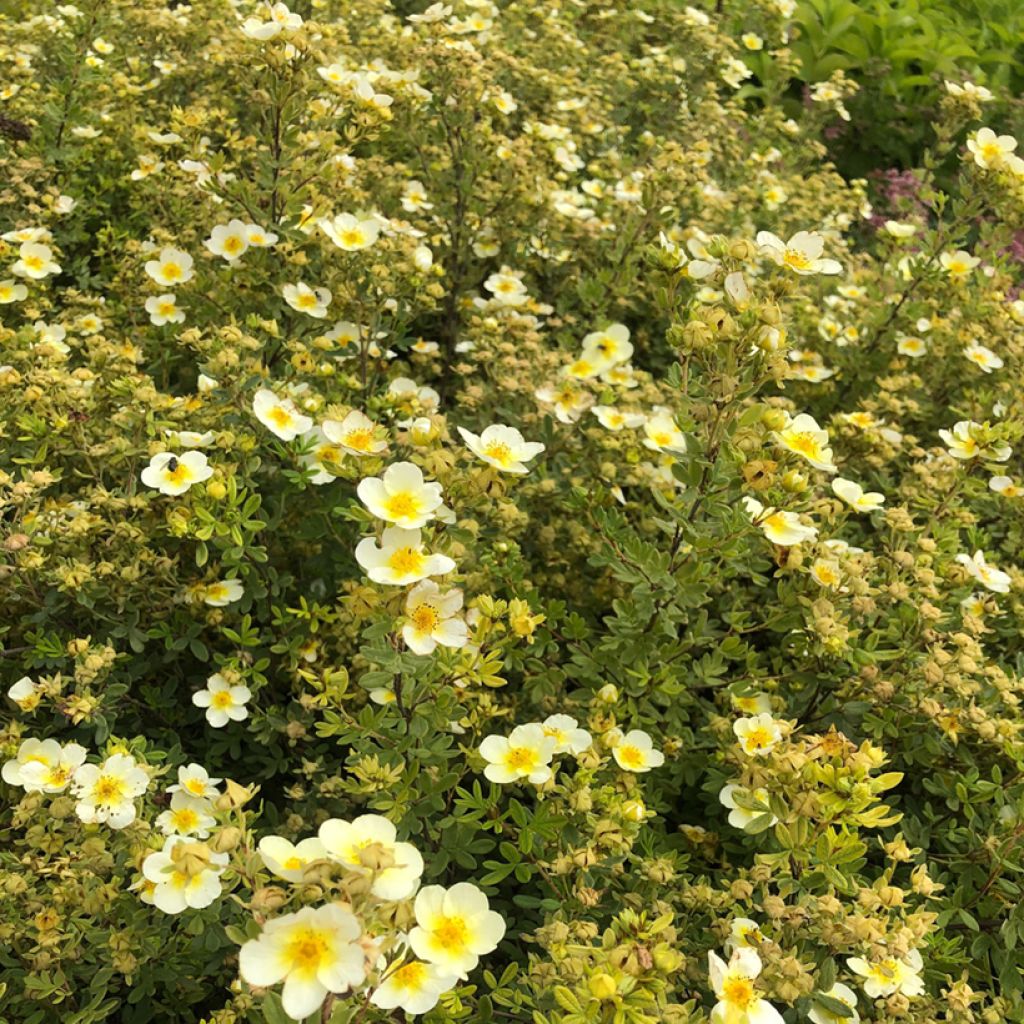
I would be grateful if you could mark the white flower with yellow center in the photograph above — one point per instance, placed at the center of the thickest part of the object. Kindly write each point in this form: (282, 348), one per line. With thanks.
(149, 164)
(805, 438)
(738, 1000)
(568, 401)
(507, 288)
(990, 150)
(414, 986)
(982, 357)
(524, 754)
(781, 528)
(399, 558)
(912, 347)
(311, 301)
(751, 703)
(661, 434)
(26, 693)
(325, 458)
(900, 229)
(223, 593)
(888, 975)
(610, 346)
(174, 474)
(279, 415)
(958, 265)
(743, 934)
(259, 238)
(454, 927)
(369, 846)
(414, 197)
(987, 575)
(183, 875)
(615, 419)
(801, 254)
(635, 752)
(752, 41)
(35, 261)
(856, 497)
(431, 618)
(568, 736)
(401, 496)
(313, 951)
(826, 573)
(172, 267)
(840, 993)
(356, 433)
(290, 861)
(229, 241)
(758, 735)
(223, 702)
(164, 309)
(745, 805)
(12, 291)
(53, 778)
(349, 232)
(502, 447)
(1005, 486)
(107, 792)
(187, 816)
(969, 440)
(20, 235)
(194, 780)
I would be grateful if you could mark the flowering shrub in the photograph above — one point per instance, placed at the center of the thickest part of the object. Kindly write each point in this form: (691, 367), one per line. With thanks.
(495, 528)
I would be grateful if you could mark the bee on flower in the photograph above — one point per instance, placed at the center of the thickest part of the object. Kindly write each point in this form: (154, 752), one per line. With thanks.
(889, 975)
(758, 735)
(311, 301)
(174, 474)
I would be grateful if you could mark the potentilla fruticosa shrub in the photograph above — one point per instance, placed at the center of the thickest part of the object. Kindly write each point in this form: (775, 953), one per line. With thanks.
(492, 530)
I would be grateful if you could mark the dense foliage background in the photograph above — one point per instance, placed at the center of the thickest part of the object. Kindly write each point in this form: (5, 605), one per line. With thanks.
(748, 272)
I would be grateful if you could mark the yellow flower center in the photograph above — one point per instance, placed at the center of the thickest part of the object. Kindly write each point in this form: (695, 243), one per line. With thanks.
(402, 504)
(425, 618)
(406, 561)
(410, 977)
(758, 738)
(221, 700)
(280, 416)
(661, 438)
(521, 759)
(352, 237)
(58, 776)
(630, 756)
(738, 992)
(165, 308)
(196, 787)
(109, 789)
(233, 244)
(294, 864)
(991, 151)
(308, 949)
(359, 440)
(185, 819)
(307, 300)
(177, 472)
(795, 259)
(171, 271)
(34, 262)
(804, 443)
(451, 934)
(500, 452)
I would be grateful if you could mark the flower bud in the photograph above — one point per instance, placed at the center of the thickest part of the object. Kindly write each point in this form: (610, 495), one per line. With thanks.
(603, 987)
